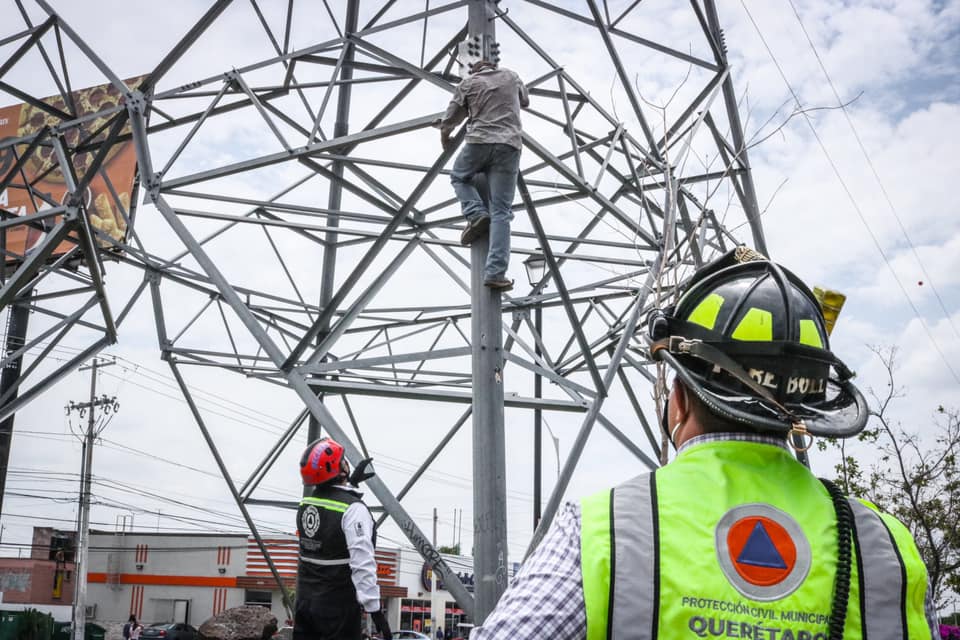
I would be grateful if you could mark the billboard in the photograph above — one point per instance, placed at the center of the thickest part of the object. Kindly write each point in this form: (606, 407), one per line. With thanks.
(40, 184)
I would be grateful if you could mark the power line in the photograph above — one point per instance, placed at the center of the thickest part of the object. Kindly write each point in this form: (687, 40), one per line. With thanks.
(272, 431)
(211, 474)
(73, 521)
(205, 523)
(385, 460)
(893, 209)
(116, 485)
(399, 465)
(227, 401)
(138, 369)
(850, 196)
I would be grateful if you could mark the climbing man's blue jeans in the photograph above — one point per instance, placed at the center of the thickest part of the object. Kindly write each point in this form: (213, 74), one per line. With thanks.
(500, 164)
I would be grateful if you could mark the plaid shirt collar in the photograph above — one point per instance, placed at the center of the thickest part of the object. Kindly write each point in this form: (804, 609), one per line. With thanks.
(729, 436)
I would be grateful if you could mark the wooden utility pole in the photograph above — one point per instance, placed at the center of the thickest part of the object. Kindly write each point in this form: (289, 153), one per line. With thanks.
(90, 408)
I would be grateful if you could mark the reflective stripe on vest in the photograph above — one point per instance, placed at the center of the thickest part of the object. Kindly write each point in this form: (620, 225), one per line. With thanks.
(882, 578)
(627, 606)
(897, 611)
(633, 562)
(636, 557)
(325, 563)
(324, 503)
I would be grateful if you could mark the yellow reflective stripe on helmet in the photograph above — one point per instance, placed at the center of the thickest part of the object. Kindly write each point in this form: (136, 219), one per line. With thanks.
(809, 335)
(756, 326)
(595, 562)
(329, 505)
(706, 312)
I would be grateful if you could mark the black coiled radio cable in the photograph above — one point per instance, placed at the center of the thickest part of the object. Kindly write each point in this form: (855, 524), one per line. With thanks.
(841, 585)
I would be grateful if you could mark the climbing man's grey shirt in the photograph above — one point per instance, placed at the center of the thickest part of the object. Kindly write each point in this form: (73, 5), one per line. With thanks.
(491, 101)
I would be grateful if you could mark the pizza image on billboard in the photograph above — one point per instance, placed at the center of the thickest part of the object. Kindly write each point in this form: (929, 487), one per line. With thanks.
(84, 118)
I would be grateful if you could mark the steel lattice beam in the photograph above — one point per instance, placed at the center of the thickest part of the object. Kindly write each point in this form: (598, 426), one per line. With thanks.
(593, 198)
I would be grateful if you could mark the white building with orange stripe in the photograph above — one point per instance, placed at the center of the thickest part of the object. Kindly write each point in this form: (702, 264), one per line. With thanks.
(165, 577)
(169, 577)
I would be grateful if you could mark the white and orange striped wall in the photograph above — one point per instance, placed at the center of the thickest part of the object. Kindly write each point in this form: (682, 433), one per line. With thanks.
(162, 577)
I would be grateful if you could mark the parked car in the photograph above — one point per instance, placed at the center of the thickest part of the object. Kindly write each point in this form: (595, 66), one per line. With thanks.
(169, 631)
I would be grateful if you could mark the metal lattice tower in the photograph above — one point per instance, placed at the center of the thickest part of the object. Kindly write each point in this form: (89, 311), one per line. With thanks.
(369, 294)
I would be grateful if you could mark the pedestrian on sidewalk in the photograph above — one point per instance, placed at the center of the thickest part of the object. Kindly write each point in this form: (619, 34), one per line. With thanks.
(128, 627)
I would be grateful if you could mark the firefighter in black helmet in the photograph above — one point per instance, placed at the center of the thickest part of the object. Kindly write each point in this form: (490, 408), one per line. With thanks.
(735, 537)
(747, 338)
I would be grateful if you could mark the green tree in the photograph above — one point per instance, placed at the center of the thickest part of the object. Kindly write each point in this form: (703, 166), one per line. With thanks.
(911, 476)
(454, 550)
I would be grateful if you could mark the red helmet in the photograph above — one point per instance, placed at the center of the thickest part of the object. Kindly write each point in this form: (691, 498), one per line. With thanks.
(321, 461)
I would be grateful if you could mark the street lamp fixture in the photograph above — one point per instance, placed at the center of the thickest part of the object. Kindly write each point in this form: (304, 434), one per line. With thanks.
(536, 266)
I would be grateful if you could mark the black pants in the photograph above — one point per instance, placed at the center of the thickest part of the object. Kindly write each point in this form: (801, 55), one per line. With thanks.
(327, 617)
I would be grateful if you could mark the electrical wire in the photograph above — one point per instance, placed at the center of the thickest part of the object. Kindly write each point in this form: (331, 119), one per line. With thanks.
(112, 444)
(202, 523)
(155, 376)
(850, 196)
(180, 399)
(170, 381)
(123, 487)
(383, 460)
(228, 519)
(866, 156)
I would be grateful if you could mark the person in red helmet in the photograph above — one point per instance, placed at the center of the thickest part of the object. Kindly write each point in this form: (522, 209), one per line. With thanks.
(337, 572)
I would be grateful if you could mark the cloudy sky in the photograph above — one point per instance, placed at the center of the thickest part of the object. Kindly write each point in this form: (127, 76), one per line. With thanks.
(856, 199)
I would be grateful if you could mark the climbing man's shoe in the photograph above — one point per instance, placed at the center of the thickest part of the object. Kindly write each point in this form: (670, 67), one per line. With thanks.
(476, 228)
(499, 283)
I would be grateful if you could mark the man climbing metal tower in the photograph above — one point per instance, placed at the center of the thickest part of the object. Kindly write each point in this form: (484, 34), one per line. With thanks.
(490, 98)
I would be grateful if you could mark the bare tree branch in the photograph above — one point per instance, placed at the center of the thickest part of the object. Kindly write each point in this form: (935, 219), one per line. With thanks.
(915, 477)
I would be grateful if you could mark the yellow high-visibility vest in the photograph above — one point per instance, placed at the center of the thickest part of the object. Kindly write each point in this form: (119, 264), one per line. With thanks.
(737, 539)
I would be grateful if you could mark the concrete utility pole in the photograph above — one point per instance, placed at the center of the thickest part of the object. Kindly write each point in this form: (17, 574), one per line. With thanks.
(80, 601)
(489, 457)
